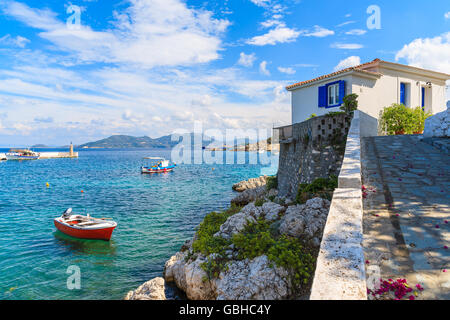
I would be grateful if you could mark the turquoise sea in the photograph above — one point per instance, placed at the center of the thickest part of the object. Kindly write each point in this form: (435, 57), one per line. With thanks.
(155, 215)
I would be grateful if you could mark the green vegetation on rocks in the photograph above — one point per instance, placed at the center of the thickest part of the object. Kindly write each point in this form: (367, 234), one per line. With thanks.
(320, 187)
(272, 182)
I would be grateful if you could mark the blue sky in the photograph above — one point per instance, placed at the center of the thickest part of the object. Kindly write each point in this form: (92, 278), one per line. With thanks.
(147, 67)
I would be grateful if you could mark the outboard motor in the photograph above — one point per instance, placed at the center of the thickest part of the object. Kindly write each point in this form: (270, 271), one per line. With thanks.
(66, 214)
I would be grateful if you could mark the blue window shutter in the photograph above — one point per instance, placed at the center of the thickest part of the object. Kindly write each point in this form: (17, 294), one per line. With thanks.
(402, 93)
(341, 91)
(322, 96)
(423, 97)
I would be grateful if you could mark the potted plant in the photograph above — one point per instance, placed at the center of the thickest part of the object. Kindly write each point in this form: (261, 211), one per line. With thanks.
(419, 117)
(396, 119)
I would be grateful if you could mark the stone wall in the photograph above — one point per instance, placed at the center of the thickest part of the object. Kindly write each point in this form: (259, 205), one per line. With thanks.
(310, 150)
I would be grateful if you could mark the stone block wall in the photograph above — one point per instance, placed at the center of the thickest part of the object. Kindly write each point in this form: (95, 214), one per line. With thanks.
(315, 149)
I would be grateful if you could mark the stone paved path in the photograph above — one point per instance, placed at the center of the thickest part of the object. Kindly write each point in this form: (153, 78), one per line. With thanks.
(405, 233)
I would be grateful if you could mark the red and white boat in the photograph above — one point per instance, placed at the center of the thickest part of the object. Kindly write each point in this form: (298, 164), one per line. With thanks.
(85, 227)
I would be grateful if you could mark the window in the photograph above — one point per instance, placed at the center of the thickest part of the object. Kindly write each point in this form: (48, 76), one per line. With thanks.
(404, 93)
(333, 94)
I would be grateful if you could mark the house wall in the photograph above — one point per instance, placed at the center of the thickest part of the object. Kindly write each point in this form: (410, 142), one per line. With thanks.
(305, 101)
(374, 94)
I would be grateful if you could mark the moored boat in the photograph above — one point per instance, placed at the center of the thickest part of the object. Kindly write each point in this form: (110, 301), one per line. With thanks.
(162, 166)
(85, 227)
(22, 154)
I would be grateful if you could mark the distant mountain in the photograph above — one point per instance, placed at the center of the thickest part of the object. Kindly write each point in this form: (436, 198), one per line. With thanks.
(39, 146)
(123, 141)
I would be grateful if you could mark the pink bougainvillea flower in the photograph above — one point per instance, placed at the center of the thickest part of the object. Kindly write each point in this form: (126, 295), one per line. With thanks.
(445, 247)
(363, 187)
(412, 297)
(367, 261)
(397, 215)
(444, 270)
(445, 221)
(437, 226)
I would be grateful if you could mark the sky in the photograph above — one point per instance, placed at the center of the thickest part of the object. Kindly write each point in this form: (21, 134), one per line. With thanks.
(84, 70)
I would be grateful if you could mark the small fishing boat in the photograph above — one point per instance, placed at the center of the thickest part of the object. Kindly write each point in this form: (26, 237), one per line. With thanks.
(22, 154)
(85, 227)
(161, 166)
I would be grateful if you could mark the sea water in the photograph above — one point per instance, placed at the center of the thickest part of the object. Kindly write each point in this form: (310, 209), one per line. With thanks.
(155, 215)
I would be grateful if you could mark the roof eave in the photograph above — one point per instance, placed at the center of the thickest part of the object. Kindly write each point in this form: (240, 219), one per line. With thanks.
(367, 74)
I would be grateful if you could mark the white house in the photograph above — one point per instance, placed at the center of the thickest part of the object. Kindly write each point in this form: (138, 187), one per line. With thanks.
(377, 83)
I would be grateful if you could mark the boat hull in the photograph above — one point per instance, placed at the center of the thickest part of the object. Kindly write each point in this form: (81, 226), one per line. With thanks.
(97, 234)
(163, 170)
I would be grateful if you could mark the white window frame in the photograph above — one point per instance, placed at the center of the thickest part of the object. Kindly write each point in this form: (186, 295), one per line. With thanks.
(333, 94)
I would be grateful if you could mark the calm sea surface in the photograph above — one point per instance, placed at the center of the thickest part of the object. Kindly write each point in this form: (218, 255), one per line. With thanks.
(155, 215)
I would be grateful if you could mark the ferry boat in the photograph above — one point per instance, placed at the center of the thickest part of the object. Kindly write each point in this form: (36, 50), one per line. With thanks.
(85, 227)
(160, 167)
(22, 154)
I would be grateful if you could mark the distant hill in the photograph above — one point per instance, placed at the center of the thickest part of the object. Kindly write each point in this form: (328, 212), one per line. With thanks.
(39, 146)
(123, 141)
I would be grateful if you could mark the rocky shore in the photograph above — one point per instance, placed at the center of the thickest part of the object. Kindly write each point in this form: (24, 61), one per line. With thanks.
(263, 247)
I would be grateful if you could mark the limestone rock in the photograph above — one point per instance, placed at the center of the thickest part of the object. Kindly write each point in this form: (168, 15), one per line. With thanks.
(188, 276)
(250, 184)
(438, 125)
(253, 280)
(249, 195)
(151, 290)
(306, 221)
(250, 213)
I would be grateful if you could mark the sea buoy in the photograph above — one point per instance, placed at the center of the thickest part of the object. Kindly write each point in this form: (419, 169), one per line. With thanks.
(82, 191)
(47, 184)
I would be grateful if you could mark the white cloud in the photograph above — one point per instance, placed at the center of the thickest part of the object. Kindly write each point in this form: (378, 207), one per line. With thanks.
(345, 23)
(19, 41)
(319, 32)
(288, 70)
(356, 32)
(261, 3)
(246, 60)
(280, 34)
(148, 33)
(428, 53)
(263, 68)
(348, 62)
(347, 46)
(447, 15)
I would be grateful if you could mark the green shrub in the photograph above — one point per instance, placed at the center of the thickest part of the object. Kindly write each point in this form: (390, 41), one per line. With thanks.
(350, 103)
(259, 202)
(313, 115)
(259, 238)
(419, 117)
(399, 119)
(272, 182)
(321, 187)
(206, 243)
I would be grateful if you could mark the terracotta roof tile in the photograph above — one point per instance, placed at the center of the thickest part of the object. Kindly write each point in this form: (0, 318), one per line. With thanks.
(359, 68)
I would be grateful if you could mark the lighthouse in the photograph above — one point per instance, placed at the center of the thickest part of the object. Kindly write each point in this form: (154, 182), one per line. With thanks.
(71, 149)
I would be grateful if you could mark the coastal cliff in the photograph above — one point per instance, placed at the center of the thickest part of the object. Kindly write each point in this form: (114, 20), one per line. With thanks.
(262, 247)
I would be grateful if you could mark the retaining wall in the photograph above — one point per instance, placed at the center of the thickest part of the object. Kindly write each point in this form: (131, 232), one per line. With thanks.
(340, 268)
(310, 150)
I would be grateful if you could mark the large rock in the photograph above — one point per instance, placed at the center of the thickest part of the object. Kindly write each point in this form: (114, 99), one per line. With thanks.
(306, 221)
(189, 277)
(250, 184)
(250, 213)
(438, 125)
(151, 290)
(251, 195)
(253, 280)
